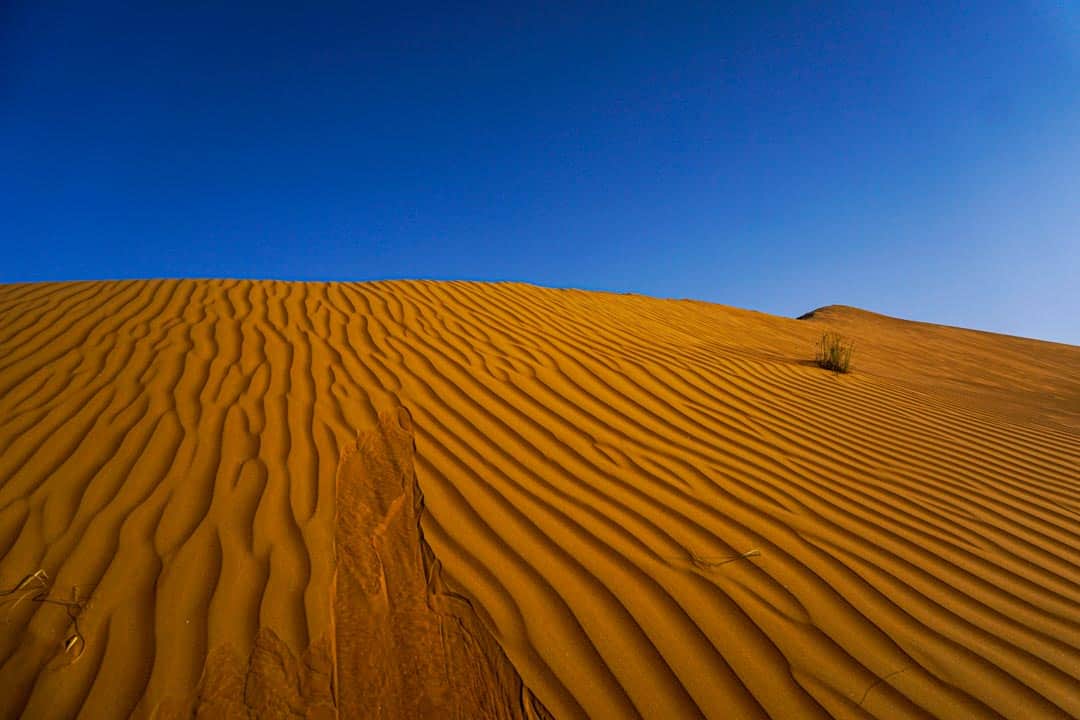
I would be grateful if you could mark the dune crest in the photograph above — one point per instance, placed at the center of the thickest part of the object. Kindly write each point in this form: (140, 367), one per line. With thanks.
(655, 508)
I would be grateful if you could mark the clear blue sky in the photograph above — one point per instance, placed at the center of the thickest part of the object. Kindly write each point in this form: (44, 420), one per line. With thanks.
(921, 161)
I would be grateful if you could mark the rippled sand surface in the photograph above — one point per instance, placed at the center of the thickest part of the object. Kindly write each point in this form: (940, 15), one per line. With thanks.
(419, 499)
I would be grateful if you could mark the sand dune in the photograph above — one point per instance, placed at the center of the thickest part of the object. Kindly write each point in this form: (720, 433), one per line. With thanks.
(631, 507)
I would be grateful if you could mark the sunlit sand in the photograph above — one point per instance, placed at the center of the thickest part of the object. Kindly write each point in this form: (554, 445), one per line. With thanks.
(420, 499)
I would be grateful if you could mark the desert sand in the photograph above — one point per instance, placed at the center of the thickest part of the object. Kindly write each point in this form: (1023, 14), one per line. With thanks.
(459, 500)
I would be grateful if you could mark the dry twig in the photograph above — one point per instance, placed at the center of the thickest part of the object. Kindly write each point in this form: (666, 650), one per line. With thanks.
(35, 587)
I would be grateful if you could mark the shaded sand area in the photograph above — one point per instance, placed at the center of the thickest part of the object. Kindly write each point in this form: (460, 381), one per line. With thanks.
(410, 499)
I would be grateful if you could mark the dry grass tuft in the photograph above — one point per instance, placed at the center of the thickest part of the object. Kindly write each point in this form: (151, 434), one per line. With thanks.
(834, 352)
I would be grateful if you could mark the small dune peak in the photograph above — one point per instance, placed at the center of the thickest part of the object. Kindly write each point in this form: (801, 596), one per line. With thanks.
(826, 312)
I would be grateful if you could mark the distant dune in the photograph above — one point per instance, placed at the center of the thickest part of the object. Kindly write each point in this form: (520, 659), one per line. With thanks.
(458, 500)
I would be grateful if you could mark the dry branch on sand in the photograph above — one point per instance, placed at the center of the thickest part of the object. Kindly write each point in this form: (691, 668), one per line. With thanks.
(706, 563)
(35, 588)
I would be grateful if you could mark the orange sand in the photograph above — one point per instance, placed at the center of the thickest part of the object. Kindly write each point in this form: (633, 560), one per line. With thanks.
(631, 507)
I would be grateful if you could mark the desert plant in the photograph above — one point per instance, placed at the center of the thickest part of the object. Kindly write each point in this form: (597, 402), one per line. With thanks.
(834, 352)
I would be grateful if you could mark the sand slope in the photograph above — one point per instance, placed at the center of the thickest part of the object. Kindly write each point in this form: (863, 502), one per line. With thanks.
(656, 508)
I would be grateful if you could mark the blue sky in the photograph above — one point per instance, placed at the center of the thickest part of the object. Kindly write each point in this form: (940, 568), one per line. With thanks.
(921, 160)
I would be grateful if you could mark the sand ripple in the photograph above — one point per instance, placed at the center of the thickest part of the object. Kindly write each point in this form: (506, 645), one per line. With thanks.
(657, 508)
